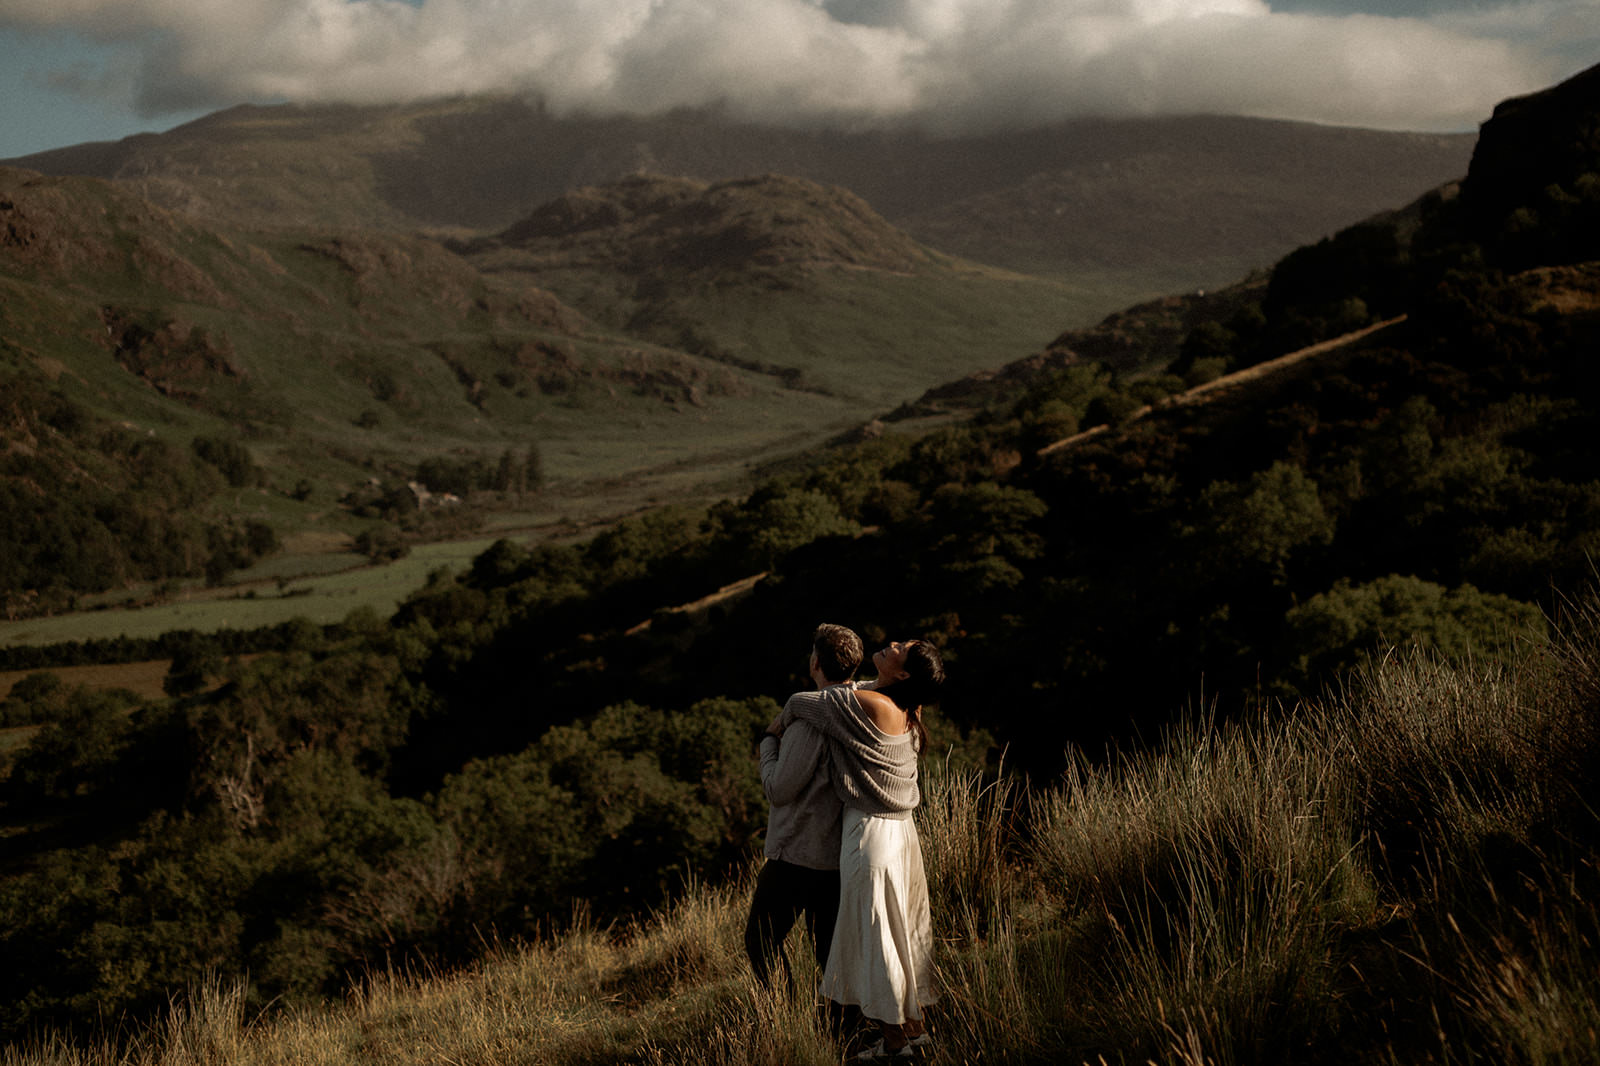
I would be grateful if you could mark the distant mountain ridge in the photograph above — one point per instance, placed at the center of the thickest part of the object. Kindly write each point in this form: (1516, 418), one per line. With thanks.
(714, 268)
(1198, 199)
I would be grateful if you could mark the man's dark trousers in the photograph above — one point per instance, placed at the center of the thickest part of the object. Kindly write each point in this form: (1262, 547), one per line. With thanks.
(784, 891)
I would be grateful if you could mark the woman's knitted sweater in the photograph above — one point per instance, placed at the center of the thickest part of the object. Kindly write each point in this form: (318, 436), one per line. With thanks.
(872, 771)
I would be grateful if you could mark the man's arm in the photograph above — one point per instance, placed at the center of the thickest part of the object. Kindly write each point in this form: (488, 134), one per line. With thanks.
(787, 766)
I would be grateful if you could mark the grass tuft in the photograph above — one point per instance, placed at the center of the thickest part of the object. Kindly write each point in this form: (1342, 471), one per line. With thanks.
(1218, 871)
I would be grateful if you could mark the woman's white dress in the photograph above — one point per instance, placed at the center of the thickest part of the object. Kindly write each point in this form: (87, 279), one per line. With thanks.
(882, 953)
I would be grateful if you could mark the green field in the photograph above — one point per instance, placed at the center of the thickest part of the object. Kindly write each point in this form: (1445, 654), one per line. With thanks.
(322, 599)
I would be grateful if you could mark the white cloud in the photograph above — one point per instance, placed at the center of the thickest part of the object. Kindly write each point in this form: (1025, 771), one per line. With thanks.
(958, 63)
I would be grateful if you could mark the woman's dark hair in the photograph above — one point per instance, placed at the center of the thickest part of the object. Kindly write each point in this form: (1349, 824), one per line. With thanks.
(926, 669)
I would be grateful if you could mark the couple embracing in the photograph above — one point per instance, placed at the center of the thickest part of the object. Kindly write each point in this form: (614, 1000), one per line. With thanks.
(839, 767)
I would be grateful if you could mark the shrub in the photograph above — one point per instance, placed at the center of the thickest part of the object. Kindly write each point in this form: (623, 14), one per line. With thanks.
(1112, 409)
(231, 458)
(36, 698)
(1334, 631)
(381, 544)
(1205, 371)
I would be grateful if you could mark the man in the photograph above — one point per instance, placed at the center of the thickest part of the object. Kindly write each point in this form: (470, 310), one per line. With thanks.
(801, 874)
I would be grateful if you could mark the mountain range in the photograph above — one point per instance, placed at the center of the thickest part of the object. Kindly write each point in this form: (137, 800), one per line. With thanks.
(349, 293)
(1194, 200)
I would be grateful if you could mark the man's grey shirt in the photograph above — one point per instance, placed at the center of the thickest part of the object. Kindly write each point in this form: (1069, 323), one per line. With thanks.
(803, 826)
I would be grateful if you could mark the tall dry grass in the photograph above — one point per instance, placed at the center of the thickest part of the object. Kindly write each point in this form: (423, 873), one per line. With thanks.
(999, 993)
(1215, 874)
(1528, 987)
(205, 1026)
(675, 988)
(967, 823)
(1479, 784)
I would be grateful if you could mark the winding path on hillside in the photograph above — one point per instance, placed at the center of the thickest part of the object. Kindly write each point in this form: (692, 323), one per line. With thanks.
(1201, 394)
(722, 595)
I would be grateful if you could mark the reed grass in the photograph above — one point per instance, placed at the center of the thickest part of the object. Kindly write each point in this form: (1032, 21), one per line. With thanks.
(967, 822)
(1530, 993)
(1218, 871)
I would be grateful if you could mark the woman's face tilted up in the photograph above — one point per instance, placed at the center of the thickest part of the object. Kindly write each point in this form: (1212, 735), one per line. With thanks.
(890, 660)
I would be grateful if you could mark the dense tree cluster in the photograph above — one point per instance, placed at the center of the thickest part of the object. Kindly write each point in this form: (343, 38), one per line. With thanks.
(87, 506)
(515, 471)
(251, 828)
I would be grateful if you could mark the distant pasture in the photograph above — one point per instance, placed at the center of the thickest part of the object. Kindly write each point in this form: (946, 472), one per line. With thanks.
(322, 598)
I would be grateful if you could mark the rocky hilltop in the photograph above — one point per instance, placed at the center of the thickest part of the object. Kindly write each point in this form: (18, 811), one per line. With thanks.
(679, 225)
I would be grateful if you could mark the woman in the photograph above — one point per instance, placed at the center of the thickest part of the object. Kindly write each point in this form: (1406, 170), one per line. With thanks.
(881, 956)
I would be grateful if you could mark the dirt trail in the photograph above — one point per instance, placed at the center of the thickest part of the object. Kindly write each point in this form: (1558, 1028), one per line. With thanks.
(725, 593)
(1212, 389)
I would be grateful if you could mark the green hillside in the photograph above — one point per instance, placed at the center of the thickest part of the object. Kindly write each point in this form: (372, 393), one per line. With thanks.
(1299, 674)
(343, 363)
(796, 280)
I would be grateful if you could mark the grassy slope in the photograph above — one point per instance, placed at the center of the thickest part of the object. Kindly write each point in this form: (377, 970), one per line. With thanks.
(775, 272)
(322, 327)
(1401, 873)
(868, 340)
(315, 322)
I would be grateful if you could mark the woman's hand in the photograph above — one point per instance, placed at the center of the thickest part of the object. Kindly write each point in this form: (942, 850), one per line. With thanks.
(776, 728)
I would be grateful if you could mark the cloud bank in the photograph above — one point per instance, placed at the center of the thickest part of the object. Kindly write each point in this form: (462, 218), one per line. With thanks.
(954, 64)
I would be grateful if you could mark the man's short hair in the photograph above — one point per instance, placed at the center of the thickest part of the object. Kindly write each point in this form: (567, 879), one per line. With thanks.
(838, 651)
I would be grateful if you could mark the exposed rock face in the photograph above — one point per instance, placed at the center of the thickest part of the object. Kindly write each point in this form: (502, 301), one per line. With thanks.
(175, 358)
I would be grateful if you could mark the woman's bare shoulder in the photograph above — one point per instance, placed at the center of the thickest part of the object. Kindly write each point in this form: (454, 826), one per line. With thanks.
(882, 710)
